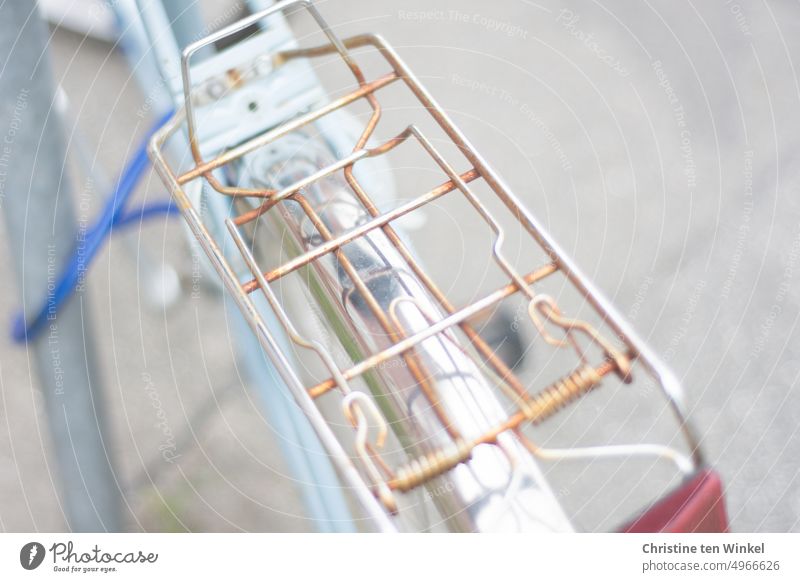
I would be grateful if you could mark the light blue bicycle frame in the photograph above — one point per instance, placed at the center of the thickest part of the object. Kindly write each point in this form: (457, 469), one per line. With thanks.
(151, 38)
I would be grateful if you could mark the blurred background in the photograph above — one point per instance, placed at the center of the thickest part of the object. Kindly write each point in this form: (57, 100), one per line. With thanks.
(657, 141)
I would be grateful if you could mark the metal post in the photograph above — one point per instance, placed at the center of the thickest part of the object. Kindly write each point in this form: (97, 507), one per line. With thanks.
(36, 200)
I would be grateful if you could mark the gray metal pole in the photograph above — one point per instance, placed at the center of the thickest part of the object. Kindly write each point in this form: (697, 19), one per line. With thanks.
(36, 200)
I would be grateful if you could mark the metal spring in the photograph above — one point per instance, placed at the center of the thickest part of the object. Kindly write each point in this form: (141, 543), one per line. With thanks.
(537, 409)
(431, 465)
(559, 394)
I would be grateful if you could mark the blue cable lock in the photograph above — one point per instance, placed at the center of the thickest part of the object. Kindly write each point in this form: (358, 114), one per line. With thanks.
(113, 216)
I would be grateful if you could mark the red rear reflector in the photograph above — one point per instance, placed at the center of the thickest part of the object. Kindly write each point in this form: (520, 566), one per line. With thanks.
(696, 506)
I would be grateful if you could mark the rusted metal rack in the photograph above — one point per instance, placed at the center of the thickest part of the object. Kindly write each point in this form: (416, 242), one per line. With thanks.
(374, 480)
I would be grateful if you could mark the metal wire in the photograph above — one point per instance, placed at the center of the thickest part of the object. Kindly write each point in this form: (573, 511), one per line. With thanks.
(376, 475)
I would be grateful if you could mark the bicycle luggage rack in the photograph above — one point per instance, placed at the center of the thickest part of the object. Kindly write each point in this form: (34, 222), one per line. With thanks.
(374, 481)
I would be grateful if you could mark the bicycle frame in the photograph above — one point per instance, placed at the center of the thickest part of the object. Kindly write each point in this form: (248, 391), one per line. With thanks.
(150, 43)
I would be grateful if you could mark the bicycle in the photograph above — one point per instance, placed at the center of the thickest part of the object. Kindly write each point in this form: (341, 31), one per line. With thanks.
(431, 430)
